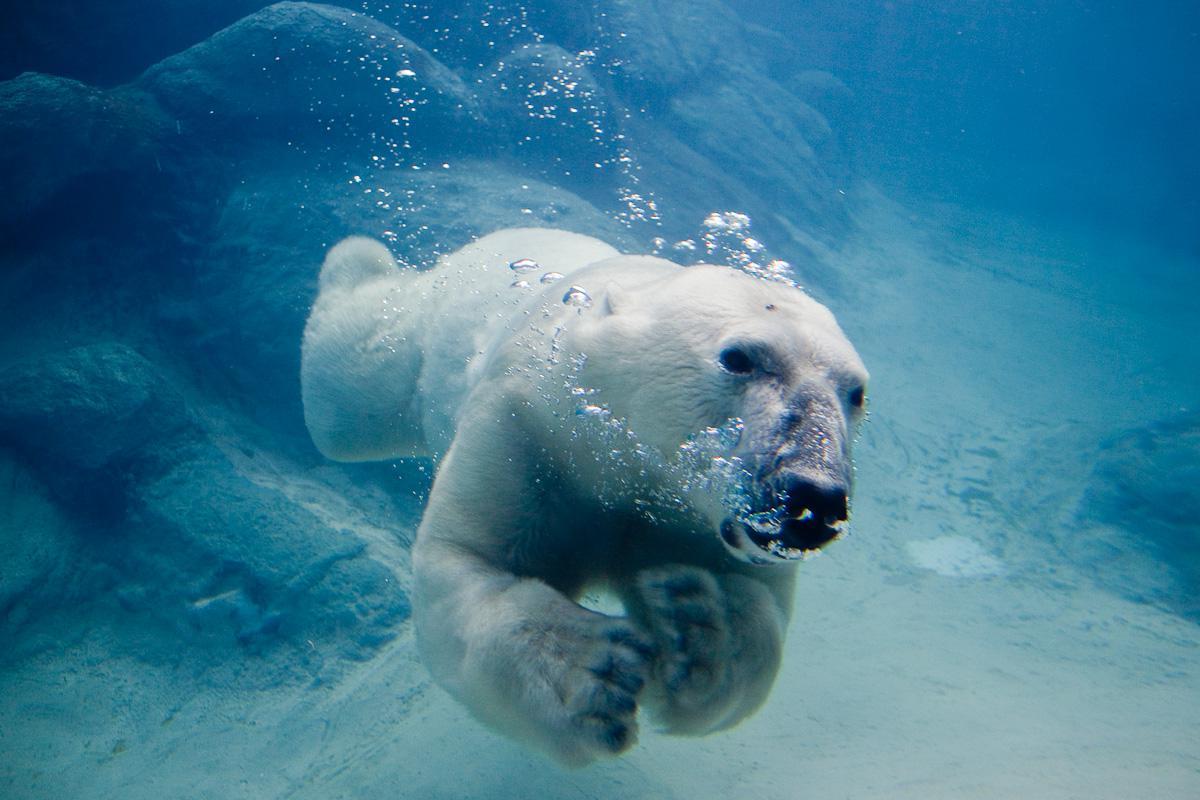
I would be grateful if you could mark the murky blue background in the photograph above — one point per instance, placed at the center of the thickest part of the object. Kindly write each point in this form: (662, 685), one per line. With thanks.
(997, 199)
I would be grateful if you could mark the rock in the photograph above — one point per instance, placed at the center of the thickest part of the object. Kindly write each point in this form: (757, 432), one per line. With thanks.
(230, 552)
(468, 35)
(54, 130)
(38, 558)
(646, 50)
(785, 147)
(824, 92)
(296, 71)
(785, 178)
(436, 211)
(90, 407)
(107, 43)
(835, 102)
(658, 48)
(201, 533)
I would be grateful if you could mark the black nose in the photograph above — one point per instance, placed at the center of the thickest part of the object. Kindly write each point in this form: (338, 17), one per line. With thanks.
(827, 501)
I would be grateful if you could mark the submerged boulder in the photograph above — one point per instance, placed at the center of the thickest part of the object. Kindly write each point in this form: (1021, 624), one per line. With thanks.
(826, 93)
(90, 407)
(296, 70)
(658, 48)
(54, 130)
(203, 531)
(783, 146)
(39, 564)
(107, 43)
(226, 539)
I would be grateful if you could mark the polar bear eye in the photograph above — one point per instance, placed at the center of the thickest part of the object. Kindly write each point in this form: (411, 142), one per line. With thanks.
(735, 360)
(857, 397)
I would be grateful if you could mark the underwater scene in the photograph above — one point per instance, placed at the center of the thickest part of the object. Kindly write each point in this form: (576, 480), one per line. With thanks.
(600, 399)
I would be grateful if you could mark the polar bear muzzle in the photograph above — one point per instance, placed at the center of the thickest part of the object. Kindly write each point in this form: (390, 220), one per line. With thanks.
(796, 517)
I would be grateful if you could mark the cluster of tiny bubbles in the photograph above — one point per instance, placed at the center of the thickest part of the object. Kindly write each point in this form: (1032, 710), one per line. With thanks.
(726, 239)
(704, 464)
(389, 63)
(636, 206)
(496, 21)
(378, 59)
(566, 97)
(562, 95)
(556, 344)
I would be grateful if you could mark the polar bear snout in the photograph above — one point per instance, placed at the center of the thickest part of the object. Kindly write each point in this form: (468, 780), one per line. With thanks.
(820, 500)
(795, 515)
(812, 511)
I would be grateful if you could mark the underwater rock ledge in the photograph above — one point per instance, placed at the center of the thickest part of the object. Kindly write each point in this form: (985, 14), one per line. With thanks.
(185, 518)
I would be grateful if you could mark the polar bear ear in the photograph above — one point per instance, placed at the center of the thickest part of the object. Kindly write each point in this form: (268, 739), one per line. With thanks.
(614, 300)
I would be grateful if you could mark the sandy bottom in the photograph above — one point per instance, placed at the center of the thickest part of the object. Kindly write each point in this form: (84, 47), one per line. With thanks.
(946, 649)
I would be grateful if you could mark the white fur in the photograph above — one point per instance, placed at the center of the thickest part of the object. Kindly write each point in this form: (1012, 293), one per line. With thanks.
(533, 504)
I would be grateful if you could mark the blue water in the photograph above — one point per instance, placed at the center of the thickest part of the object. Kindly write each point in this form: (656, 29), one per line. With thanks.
(998, 201)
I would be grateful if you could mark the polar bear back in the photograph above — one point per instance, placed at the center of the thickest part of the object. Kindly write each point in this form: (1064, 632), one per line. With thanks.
(387, 350)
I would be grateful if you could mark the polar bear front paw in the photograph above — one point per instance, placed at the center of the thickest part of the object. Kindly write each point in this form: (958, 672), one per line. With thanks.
(685, 610)
(581, 695)
(603, 697)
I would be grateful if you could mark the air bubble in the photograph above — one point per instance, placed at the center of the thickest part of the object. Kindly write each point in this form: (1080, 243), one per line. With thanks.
(520, 283)
(551, 277)
(578, 297)
(523, 265)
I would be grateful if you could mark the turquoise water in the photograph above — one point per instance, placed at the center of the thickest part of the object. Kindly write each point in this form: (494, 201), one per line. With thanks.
(997, 201)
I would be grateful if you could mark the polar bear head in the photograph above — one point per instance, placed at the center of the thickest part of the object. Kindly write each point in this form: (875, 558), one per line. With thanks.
(689, 349)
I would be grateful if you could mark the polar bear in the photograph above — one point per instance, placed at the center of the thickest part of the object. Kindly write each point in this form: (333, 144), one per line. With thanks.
(676, 437)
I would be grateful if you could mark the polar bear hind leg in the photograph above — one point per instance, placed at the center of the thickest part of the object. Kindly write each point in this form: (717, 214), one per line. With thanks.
(359, 362)
(354, 261)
